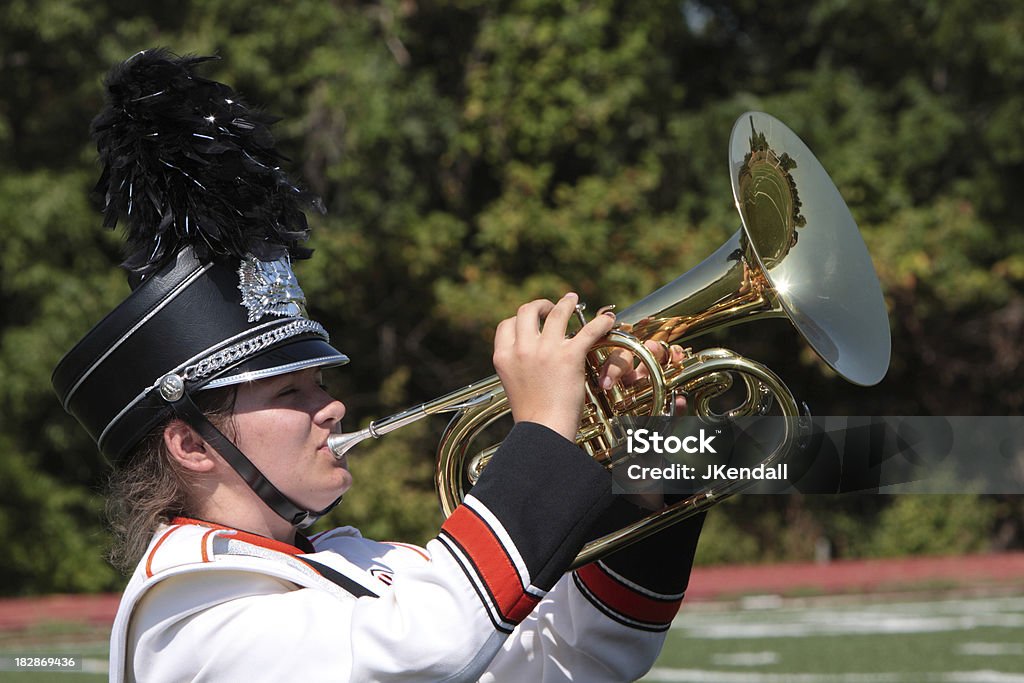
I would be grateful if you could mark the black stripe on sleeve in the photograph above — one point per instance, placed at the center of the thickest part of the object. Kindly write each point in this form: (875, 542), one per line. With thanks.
(546, 492)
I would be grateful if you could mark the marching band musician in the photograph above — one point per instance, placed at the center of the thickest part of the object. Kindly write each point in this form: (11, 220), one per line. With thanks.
(204, 388)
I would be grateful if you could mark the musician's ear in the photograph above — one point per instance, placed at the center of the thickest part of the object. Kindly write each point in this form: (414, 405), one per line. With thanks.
(187, 448)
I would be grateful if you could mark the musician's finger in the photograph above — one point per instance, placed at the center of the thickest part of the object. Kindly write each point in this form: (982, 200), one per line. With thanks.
(556, 321)
(528, 320)
(594, 331)
(618, 364)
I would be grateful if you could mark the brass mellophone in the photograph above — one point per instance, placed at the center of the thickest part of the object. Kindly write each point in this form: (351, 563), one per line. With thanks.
(797, 254)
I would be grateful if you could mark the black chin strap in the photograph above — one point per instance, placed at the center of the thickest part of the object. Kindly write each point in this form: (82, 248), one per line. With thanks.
(301, 518)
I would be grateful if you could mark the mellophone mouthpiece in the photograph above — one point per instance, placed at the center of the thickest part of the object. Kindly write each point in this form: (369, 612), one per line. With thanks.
(340, 444)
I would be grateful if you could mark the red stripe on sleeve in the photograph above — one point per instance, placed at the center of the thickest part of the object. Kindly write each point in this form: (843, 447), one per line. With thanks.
(492, 563)
(624, 600)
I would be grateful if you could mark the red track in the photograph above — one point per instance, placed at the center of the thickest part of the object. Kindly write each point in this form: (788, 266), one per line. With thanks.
(858, 576)
(706, 583)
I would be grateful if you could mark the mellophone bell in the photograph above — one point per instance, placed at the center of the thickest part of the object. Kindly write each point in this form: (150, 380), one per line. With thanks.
(797, 254)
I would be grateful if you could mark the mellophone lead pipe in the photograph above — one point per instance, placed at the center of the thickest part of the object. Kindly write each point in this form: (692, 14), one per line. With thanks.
(478, 393)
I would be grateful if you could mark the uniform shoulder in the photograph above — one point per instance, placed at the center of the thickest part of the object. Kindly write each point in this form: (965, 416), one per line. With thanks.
(195, 543)
(174, 545)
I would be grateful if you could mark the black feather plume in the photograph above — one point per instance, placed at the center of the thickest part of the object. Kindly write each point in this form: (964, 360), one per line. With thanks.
(187, 163)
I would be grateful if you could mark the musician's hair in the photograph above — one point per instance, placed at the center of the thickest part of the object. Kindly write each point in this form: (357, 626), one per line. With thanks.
(150, 489)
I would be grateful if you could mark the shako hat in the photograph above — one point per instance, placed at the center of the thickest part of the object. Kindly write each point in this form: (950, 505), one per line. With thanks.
(213, 223)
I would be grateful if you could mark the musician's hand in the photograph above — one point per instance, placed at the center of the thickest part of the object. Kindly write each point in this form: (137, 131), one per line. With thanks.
(621, 367)
(542, 370)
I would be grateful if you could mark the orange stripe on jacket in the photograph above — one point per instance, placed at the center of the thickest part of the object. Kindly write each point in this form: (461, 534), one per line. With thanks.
(247, 537)
(492, 562)
(152, 553)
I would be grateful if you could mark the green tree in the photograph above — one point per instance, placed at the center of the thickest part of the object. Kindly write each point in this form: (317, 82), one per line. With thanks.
(476, 154)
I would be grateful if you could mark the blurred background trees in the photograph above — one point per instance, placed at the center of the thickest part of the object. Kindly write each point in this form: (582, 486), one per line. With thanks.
(476, 154)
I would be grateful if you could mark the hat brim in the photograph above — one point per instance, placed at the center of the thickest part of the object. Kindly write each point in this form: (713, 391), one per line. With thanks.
(280, 360)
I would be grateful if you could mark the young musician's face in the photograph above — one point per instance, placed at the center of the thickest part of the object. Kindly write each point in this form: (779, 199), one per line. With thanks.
(282, 424)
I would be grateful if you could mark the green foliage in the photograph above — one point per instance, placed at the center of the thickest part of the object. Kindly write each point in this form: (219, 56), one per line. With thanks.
(812, 528)
(474, 155)
(934, 525)
(52, 540)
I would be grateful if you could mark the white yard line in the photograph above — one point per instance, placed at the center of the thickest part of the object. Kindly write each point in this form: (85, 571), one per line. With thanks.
(991, 649)
(901, 618)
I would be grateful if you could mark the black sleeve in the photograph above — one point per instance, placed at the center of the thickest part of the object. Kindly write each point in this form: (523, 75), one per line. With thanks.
(546, 491)
(518, 530)
(660, 563)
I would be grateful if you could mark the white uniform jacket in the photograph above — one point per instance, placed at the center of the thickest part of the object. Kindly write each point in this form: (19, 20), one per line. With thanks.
(487, 599)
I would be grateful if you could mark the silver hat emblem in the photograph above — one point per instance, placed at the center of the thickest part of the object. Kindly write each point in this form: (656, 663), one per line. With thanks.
(270, 287)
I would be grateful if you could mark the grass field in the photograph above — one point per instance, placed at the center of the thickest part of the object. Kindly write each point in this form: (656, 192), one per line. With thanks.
(768, 640)
(756, 640)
